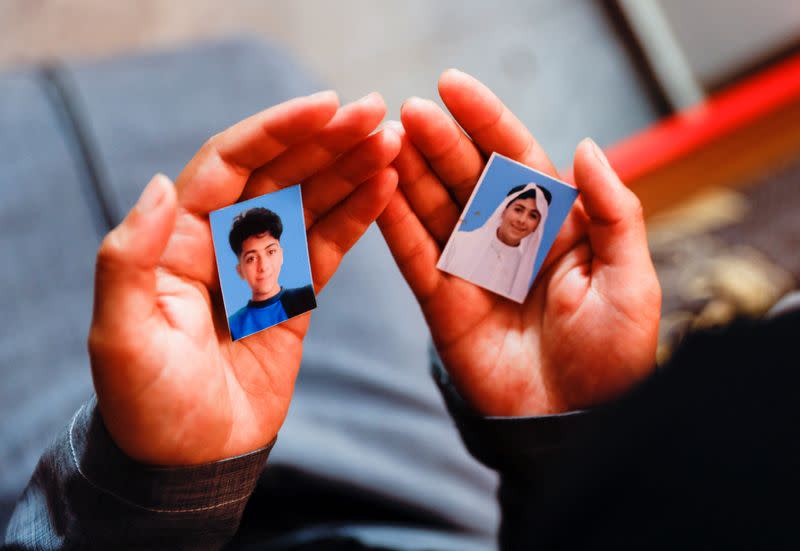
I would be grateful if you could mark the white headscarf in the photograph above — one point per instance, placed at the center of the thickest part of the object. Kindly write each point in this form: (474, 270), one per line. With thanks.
(464, 252)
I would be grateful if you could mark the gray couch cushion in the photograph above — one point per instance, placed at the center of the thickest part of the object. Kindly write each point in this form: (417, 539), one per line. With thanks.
(150, 113)
(48, 242)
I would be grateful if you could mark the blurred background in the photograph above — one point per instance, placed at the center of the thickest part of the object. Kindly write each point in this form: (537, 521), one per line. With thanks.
(697, 104)
(526, 50)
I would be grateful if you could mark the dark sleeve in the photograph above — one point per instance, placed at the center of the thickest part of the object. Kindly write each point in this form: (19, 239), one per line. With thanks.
(703, 453)
(298, 300)
(525, 451)
(87, 494)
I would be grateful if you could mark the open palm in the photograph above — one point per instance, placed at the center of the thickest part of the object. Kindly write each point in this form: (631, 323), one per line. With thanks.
(173, 389)
(588, 329)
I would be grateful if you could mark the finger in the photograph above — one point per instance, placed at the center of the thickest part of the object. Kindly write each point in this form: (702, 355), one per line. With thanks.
(127, 258)
(217, 174)
(616, 224)
(334, 234)
(426, 196)
(351, 124)
(326, 189)
(490, 124)
(413, 248)
(449, 152)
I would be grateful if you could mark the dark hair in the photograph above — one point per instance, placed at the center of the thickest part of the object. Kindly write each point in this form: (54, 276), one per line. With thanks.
(530, 194)
(252, 222)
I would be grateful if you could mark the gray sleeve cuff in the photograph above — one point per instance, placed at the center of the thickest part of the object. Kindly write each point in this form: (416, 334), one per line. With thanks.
(218, 485)
(87, 494)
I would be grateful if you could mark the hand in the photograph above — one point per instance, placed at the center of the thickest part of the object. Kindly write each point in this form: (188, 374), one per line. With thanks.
(172, 388)
(587, 331)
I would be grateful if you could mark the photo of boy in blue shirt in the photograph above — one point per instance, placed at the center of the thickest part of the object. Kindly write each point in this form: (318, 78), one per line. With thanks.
(255, 239)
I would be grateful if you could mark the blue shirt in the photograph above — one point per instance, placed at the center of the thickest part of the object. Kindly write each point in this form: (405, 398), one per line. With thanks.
(257, 315)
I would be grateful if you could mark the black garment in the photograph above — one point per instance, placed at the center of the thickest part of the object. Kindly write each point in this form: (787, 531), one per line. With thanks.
(706, 454)
(298, 300)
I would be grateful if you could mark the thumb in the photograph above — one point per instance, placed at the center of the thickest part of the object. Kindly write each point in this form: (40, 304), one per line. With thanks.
(616, 223)
(127, 258)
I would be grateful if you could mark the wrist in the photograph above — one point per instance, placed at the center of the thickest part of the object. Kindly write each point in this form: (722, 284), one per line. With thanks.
(174, 441)
(175, 488)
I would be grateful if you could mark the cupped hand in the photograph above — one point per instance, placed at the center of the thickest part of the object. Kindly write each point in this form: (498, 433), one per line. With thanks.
(587, 330)
(172, 387)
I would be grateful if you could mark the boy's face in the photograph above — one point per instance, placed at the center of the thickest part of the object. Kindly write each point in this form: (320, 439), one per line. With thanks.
(518, 221)
(260, 265)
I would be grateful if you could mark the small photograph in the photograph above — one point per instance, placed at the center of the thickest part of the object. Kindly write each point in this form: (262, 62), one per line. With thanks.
(262, 261)
(507, 227)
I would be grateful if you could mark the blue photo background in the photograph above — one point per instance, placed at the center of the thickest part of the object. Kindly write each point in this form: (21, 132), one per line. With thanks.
(502, 174)
(296, 271)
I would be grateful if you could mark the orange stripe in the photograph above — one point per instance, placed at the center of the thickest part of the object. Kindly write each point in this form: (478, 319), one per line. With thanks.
(680, 134)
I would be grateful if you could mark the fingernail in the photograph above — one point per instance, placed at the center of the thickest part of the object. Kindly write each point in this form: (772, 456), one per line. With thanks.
(599, 154)
(412, 99)
(153, 194)
(368, 97)
(393, 125)
(325, 94)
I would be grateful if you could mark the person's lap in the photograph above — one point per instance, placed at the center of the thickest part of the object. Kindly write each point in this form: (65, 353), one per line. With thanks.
(365, 413)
